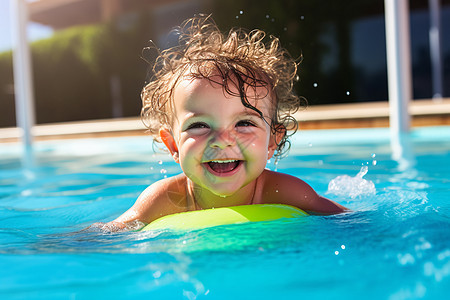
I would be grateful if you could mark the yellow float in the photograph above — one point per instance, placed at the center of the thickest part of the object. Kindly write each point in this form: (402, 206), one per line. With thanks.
(199, 219)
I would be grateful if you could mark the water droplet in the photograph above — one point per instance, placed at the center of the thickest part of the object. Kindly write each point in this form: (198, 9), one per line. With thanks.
(160, 162)
(315, 84)
(184, 242)
(362, 172)
(163, 171)
(157, 274)
(342, 247)
(302, 17)
(237, 17)
(276, 191)
(336, 252)
(273, 20)
(267, 16)
(285, 28)
(309, 144)
(241, 12)
(352, 186)
(374, 162)
(348, 93)
(373, 155)
(297, 78)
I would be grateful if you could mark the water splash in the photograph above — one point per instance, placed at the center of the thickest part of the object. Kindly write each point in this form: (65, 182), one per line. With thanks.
(352, 187)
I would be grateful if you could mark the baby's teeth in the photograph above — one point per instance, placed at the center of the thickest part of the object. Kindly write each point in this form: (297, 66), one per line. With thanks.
(223, 161)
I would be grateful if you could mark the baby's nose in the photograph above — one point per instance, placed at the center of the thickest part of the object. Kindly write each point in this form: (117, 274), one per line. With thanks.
(223, 139)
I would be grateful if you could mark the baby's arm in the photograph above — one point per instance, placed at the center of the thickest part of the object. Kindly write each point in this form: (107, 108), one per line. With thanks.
(290, 190)
(164, 197)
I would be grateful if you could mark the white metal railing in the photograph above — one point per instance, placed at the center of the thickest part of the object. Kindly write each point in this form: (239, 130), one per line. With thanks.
(23, 81)
(398, 64)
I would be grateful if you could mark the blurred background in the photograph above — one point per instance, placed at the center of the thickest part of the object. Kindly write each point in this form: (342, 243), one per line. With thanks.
(88, 61)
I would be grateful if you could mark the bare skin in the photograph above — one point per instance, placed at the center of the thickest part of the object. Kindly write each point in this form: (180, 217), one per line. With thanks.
(222, 148)
(170, 196)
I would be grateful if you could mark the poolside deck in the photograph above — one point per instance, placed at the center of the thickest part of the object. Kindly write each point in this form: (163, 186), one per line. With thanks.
(360, 115)
(373, 114)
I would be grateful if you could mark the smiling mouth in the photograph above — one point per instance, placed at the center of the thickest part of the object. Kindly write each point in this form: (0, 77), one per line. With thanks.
(224, 166)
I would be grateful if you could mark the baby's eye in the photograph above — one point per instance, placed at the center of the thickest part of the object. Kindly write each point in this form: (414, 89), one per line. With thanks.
(197, 128)
(245, 123)
(197, 125)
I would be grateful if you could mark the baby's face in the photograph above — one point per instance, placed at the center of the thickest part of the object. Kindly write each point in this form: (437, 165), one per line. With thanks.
(221, 145)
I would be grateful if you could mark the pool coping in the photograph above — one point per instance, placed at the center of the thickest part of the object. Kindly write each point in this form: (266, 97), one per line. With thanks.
(354, 115)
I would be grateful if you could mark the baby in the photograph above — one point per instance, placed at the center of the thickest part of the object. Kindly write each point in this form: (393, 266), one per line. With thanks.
(222, 105)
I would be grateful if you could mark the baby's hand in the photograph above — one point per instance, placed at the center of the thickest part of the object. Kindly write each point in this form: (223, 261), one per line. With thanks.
(115, 226)
(106, 227)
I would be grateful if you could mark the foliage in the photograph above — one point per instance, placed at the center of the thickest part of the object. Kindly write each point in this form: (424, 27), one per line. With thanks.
(72, 72)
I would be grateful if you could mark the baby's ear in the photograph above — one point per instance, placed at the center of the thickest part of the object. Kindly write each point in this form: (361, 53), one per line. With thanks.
(168, 140)
(276, 139)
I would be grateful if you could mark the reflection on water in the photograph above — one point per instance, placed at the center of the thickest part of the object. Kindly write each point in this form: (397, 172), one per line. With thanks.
(402, 152)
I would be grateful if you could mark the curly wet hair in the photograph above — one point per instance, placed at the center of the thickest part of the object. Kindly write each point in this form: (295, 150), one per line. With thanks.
(237, 61)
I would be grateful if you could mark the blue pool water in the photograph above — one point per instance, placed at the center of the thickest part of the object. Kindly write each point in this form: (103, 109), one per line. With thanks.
(394, 245)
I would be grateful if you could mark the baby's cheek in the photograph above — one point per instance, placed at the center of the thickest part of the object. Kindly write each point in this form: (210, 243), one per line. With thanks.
(249, 142)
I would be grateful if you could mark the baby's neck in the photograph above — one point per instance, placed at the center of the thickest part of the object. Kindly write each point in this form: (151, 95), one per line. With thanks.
(205, 199)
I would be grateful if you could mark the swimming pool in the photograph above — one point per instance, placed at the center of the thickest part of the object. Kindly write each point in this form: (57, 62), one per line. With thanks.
(395, 245)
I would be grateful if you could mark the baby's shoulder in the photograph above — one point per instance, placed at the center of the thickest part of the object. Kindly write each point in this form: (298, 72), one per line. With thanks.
(272, 178)
(283, 187)
(172, 189)
(164, 197)
(286, 189)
